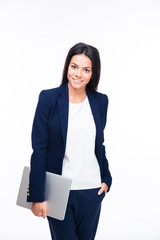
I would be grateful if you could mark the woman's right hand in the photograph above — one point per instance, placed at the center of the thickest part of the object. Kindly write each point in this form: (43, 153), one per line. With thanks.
(39, 209)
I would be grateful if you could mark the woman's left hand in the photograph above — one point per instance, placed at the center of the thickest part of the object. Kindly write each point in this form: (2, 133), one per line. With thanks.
(104, 188)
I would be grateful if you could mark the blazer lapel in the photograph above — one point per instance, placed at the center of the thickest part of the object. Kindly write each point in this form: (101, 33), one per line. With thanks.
(63, 107)
(96, 115)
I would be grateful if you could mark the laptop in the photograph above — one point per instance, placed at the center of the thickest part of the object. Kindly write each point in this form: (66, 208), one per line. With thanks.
(57, 191)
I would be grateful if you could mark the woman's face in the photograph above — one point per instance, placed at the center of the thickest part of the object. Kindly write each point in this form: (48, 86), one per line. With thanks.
(79, 71)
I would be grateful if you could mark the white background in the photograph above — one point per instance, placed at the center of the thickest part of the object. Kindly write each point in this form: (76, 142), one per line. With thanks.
(35, 37)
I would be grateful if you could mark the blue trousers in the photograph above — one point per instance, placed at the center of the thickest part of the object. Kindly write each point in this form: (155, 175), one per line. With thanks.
(81, 218)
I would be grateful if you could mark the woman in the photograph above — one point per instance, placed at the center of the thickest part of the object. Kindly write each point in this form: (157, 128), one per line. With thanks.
(67, 139)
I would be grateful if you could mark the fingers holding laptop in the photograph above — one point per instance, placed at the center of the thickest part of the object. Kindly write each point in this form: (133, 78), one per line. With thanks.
(39, 209)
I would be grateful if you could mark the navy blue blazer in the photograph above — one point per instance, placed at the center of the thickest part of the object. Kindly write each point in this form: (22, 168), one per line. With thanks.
(49, 132)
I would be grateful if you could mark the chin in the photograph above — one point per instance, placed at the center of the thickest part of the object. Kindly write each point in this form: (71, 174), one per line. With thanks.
(75, 85)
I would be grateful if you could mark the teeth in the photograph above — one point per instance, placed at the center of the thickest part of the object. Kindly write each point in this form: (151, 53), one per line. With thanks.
(77, 80)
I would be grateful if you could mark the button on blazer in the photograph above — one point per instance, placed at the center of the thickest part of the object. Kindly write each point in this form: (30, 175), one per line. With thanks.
(49, 133)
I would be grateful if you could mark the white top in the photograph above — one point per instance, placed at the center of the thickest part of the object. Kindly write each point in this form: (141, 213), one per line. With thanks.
(80, 162)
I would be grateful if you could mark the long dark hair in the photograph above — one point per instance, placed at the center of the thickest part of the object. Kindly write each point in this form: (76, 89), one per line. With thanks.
(93, 54)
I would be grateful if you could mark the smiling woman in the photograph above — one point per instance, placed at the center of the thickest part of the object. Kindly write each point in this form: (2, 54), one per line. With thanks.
(67, 139)
(92, 58)
(79, 74)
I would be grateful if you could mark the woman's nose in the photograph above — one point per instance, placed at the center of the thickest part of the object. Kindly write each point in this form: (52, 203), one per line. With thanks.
(78, 73)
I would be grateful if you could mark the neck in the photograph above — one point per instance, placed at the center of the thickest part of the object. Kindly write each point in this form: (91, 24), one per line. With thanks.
(76, 95)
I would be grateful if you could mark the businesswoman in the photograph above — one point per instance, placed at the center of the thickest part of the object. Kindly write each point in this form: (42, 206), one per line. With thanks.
(67, 139)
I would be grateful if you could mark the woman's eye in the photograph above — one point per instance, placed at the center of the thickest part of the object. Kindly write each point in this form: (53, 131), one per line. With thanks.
(87, 70)
(73, 66)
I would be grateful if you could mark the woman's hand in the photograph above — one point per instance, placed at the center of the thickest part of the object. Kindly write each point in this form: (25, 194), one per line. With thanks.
(39, 209)
(104, 188)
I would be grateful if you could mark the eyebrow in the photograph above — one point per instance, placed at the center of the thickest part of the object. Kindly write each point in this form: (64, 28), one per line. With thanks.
(77, 65)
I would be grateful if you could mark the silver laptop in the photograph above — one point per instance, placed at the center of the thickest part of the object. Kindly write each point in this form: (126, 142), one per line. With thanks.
(57, 192)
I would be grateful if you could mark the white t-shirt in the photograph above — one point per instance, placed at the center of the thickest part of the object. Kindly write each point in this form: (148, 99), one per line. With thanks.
(80, 162)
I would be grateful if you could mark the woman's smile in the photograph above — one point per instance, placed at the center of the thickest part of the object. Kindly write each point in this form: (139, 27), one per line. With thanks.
(77, 80)
(79, 72)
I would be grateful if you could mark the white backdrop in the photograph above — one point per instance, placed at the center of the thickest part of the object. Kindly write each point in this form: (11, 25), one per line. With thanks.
(35, 37)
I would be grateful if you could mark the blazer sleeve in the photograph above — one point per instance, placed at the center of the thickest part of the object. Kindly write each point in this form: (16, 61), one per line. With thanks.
(107, 178)
(36, 188)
